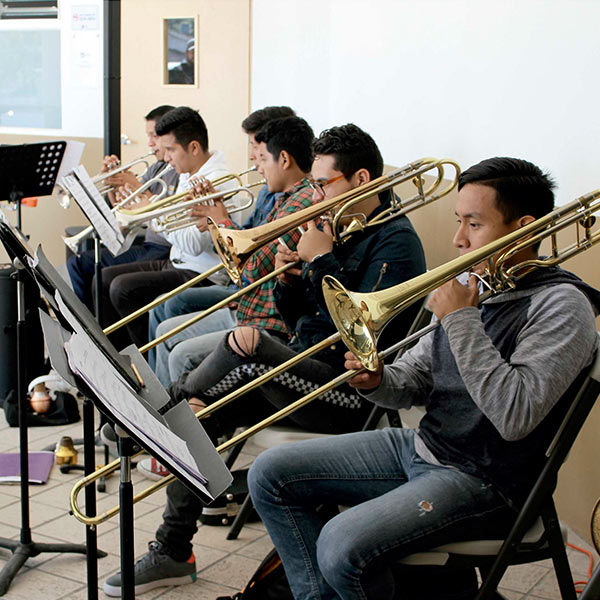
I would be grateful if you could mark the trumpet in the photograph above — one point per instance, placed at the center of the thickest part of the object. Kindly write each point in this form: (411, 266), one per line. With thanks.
(73, 241)
(101, 177)
(174, 206)
(183, 219)
(235, 246)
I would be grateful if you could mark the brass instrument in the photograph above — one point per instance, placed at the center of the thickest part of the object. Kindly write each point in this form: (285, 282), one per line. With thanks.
(300, 217)
(101, 177)
(270, 231)
(250, 240)
(73, 241)
(175, 206)
(183, 219)
(578, 213)
(192, 282)
(360, 317)
(236, 246)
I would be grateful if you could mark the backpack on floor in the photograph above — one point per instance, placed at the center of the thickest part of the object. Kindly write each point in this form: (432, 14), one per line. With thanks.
(269, 582)
(64, 410)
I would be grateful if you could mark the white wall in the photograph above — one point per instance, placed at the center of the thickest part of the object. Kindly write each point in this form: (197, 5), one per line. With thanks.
(466, 79)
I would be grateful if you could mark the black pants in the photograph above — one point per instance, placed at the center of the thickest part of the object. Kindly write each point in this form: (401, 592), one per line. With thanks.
(126, 288)
(340, 411)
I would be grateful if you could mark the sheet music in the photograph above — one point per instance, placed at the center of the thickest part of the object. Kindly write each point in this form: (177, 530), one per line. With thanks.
(81, 187)
(71, 158)
(94, 368)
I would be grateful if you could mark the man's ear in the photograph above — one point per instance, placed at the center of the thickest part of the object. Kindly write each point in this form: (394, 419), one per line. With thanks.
(285, 159)
(525, 220)
(362, 176)
(194, 147)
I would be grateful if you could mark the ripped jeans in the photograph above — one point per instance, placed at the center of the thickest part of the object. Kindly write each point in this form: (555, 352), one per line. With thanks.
(400, 505)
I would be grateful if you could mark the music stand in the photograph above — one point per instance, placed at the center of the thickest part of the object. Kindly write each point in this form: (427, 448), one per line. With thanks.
(27, 170)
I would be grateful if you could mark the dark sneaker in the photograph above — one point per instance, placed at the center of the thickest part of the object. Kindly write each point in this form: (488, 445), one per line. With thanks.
(154, 569)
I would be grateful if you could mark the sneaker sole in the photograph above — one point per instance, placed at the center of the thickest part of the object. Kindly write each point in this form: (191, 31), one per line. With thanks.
(115, 591)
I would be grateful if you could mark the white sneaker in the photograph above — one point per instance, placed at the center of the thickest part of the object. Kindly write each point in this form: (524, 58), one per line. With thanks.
(152, 469)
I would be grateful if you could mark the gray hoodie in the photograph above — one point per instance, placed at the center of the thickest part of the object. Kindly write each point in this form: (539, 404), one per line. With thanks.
(495, 380)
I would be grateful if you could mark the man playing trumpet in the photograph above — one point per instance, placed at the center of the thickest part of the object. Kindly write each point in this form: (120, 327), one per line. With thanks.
(155, 247)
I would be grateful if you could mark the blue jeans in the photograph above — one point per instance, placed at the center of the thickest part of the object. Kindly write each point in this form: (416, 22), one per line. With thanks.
(186, 350)
(400, 505)
(82, 268)
(189, 301)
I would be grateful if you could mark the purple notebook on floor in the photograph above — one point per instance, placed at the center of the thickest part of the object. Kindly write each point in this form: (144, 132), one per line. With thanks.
(40, 464)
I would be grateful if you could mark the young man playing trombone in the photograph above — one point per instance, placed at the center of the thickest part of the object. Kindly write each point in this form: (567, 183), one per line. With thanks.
(383, 255)
(183, 138)
(155, 247)
(495, 384)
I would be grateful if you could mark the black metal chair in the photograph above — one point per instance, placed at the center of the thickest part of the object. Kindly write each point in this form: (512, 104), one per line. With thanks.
(536, 533)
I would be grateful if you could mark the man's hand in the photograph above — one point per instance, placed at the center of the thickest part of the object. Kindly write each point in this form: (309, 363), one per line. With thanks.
(109, 162)
(203, 187)
(123, 178)
(453, 296)
(283, 257)
(315, 242)
(217, 212)
(367, 380)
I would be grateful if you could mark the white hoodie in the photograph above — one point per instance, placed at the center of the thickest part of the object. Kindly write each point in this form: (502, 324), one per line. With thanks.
(192, 249)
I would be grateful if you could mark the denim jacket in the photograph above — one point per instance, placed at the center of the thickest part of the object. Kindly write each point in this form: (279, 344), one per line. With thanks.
(374, 259)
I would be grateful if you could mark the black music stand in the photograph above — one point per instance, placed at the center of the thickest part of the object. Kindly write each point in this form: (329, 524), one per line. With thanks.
(27, 170)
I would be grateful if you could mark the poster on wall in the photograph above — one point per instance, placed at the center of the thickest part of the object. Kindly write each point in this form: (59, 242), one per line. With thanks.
(179, 51)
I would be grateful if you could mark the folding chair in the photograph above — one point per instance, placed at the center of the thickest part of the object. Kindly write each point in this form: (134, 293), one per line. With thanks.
(536, 534)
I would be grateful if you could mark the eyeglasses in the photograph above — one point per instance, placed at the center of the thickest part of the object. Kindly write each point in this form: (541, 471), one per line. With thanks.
(318, 185)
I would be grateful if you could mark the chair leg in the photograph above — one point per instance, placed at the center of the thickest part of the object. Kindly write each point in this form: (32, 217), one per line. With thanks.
(240, 519)
(592, 589)
(560, 560)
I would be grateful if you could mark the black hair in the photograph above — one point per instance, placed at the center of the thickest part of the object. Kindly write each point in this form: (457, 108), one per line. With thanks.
(156, 113)
(292, 134)
(186, 125)
(521, 187)
(352, 149)
(256, 120)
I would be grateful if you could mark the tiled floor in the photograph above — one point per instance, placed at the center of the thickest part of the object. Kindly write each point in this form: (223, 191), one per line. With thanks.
(223, 566)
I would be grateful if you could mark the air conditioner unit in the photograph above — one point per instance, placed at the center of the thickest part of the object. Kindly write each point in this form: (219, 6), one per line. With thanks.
(28, 9)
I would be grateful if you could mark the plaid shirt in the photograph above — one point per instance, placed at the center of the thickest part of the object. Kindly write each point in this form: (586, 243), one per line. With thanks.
(257, 308)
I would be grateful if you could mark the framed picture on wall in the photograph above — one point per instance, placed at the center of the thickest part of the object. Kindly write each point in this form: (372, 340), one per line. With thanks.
(179, 51)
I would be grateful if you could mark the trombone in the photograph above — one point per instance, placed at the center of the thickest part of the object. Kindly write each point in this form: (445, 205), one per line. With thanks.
(232, 256)
(360, 317)
(413, 170)
(235, 246)
(578, 213)
(73, 241)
